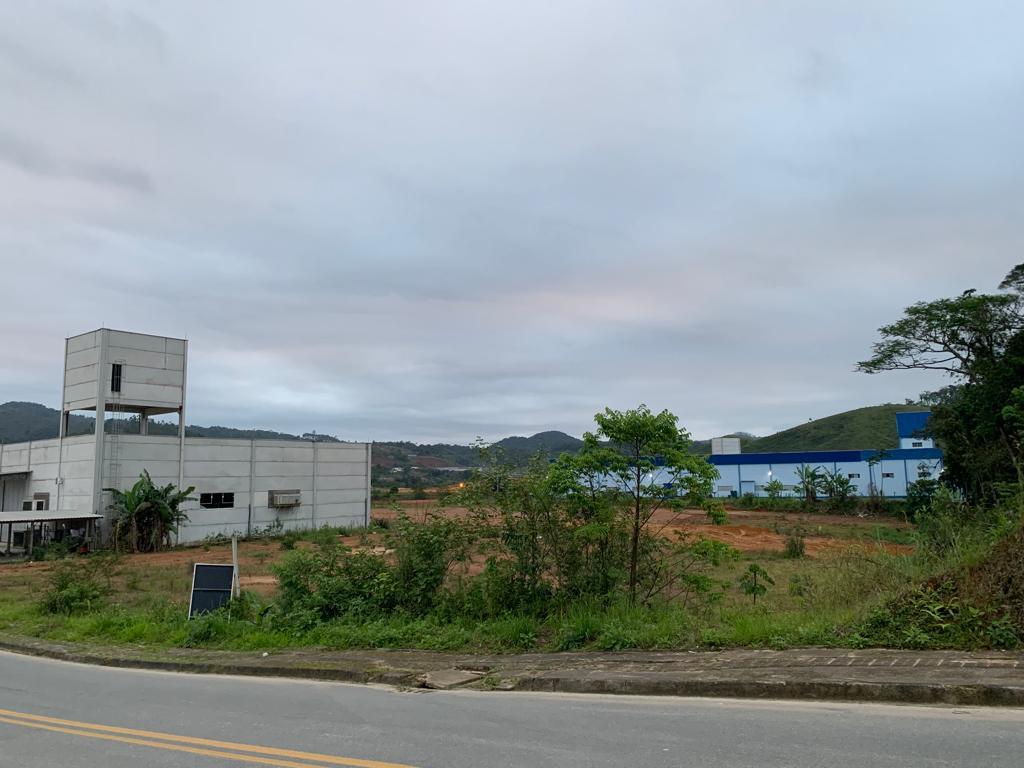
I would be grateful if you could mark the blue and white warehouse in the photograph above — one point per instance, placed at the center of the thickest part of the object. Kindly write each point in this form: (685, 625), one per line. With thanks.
(886, 472)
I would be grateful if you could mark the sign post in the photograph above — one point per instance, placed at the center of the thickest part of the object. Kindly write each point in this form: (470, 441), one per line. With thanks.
(236, 589)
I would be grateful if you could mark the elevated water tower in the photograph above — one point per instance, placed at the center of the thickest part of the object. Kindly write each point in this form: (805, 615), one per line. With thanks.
(126, 374)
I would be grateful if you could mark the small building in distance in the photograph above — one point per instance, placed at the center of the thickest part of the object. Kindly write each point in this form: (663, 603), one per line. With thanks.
(887, 472)
(241, 486)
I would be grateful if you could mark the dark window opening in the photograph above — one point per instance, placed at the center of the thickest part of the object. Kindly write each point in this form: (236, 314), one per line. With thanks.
(889, 474)
(115, 377)
(854, 476)
(917, 444)
(217, 500)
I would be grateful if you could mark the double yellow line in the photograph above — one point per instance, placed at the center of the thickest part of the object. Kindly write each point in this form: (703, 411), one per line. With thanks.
(222, 750)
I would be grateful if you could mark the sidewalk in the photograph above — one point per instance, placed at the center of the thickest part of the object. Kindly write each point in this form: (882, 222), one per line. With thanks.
(992, 678)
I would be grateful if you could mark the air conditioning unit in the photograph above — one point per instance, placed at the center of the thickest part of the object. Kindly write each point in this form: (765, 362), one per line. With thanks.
(33, 505)
(281, 499)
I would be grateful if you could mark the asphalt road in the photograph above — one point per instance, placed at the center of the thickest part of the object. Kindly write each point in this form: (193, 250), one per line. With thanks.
(75, 716)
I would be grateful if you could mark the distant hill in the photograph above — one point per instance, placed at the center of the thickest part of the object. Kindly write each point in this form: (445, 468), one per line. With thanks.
(20, 422)
(31, 421)
(873, 427)
(862, 428)
(552, 443)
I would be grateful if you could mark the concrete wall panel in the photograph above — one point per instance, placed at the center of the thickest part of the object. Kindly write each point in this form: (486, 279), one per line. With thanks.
(86, 358)
(199, 450)
(226, 469)
(331, 452)
(284, 452)
(334, 497)
(135, 359)
(341, 483)
(137, 341)
(324, 468)
(83, 341)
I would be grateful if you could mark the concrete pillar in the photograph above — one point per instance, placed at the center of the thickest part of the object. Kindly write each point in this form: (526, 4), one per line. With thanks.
(181, 418)
(313, 513)
(103, 377)
(367, 500)
(143, 423)
(62, 429)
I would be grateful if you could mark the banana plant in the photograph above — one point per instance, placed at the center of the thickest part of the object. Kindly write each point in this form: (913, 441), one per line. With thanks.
(147, 514)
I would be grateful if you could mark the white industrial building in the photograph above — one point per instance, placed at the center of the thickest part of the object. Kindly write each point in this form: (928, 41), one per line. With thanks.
(241, 486)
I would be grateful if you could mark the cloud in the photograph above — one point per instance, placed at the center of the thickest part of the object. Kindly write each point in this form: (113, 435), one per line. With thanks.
(436, 222)
(32, 159)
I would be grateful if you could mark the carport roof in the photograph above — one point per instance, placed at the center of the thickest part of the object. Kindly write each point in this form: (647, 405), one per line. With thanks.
(44, 516)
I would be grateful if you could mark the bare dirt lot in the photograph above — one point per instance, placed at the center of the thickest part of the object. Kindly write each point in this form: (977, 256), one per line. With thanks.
(747, 531)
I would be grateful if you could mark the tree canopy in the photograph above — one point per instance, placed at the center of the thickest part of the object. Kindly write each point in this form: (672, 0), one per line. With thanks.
(961, 336)
(978, 339)
(646, 457)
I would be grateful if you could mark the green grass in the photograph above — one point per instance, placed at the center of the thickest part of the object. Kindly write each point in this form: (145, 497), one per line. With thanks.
(147, 603)
(830, 597)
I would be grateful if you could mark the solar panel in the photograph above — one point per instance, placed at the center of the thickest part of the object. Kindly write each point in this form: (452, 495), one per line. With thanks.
(211, 587)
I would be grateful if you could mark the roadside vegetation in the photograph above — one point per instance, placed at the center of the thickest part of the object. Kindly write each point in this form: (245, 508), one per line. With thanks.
(618, 545)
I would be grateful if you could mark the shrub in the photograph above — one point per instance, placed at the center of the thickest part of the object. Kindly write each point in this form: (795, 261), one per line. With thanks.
(319, 586)
(499, 590)
(953, 530)
(424, 554)
(73, 588)
(934, 615)
(919, 497)
(795, 546)
(54, 550)
(207, 629)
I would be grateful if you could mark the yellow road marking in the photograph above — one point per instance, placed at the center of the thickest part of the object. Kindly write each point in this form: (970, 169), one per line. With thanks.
(258, 754)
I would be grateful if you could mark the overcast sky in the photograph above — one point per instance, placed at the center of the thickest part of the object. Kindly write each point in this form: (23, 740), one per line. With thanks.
(433, 221)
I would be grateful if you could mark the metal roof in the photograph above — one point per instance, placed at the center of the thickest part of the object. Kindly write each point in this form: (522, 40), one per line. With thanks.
(824, 457)
(44, 516)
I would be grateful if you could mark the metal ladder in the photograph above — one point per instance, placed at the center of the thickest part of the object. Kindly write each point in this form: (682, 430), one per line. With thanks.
(117, 427)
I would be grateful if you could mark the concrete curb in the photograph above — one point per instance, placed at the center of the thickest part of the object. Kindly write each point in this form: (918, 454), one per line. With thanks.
(199, 667)
(813, 690)
(569, 680)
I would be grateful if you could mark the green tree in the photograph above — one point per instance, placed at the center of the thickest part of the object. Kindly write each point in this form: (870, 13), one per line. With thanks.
(1013, 429)
(646, 457)
(808, 482)
(838, 488)
(774, 488)
(1014, 280)
(978, 339)
(147, 514)
(963, 336)
(755, 581)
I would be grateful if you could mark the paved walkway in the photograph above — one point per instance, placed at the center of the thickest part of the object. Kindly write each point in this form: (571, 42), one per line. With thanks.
(951, 677)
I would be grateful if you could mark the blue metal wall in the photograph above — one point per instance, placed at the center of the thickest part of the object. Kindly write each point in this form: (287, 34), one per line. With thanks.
(749, 472)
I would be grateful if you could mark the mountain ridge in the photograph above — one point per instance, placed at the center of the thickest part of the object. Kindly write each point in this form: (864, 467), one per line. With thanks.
(870, 427)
